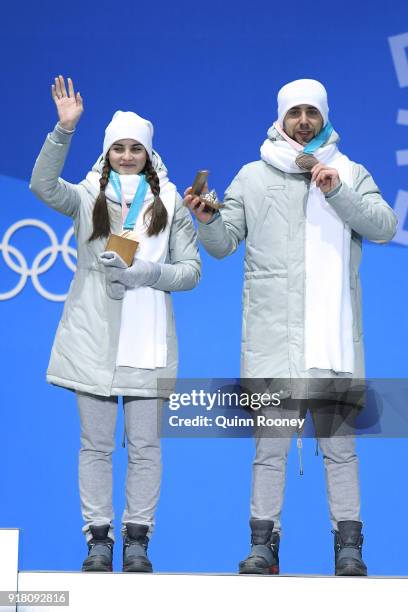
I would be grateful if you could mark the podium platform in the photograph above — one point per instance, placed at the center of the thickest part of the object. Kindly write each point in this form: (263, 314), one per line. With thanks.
(8, 563)
(204, 593)
(111, 592)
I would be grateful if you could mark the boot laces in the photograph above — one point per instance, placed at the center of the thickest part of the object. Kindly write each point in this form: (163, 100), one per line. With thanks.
(93, 543)
(340, 544)
(131, 542)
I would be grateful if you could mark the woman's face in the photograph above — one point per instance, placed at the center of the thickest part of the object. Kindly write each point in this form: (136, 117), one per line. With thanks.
(127, 156)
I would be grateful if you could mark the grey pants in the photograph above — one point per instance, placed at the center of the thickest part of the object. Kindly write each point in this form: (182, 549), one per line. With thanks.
(269, 473)
(98, 417)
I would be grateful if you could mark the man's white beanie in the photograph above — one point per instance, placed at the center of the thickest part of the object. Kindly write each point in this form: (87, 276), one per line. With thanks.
(126, 124)
(303, 91)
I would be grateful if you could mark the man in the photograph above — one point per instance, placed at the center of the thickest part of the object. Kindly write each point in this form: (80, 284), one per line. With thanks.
(301, 300)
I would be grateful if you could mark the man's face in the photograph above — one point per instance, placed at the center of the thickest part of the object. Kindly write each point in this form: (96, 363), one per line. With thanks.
(302, 123)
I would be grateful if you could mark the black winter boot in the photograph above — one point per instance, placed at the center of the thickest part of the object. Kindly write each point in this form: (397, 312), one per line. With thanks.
(348, 543)
(135, 543)
(100, 550)
(264, 555)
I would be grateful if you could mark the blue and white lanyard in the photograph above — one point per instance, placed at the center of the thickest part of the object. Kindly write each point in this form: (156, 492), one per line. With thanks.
(138, 200)
(320, 139)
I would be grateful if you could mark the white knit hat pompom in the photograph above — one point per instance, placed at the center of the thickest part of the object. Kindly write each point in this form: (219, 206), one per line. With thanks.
(303, 91)
(126, 124)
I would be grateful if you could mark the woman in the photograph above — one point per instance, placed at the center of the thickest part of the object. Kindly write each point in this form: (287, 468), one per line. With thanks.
(117, 335)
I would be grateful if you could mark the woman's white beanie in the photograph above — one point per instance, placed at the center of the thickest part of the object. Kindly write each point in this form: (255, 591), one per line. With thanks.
(303, 91)
(126, 124)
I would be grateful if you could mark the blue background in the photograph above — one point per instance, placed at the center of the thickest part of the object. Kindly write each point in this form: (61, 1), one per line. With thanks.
(207, 75)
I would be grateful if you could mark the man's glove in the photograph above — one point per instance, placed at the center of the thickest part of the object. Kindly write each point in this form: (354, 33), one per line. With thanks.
(140, 274)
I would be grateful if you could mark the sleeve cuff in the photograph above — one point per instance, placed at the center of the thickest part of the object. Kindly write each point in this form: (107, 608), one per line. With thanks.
(334, 191)
(61, 136)
(213, 218)
(63, 130)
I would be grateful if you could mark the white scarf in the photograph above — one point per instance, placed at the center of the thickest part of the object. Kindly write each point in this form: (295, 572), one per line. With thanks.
(328, 323)
(143, 329)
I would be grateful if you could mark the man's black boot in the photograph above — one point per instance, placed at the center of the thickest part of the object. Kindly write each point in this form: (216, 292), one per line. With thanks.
(135, 542)
(100, 550)
(264, 555)
(348, 543)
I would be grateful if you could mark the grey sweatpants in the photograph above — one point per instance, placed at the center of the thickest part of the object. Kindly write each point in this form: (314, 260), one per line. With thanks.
(98, 417)
(269, 474)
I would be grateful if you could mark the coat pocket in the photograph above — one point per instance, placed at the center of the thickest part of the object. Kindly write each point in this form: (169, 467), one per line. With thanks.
(265, 307)
(274, 198)
(268, 239)
(265, 324)
(260, 221)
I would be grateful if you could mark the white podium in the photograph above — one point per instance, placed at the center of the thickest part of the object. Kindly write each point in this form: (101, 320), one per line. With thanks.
(216, 593)
(111, 592)
(8, 563)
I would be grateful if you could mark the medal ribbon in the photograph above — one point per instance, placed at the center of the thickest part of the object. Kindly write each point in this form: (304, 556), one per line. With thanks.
(129, 215)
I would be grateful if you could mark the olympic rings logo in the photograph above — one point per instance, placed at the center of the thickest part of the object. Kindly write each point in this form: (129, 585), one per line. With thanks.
(39, 266)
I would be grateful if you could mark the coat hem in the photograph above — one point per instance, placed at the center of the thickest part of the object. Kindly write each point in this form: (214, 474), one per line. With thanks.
(126, 391)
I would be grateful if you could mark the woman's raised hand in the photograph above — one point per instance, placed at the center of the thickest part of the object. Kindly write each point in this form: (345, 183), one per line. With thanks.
(69, 104)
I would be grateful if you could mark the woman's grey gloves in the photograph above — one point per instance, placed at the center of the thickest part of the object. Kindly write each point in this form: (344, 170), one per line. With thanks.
(120, 277)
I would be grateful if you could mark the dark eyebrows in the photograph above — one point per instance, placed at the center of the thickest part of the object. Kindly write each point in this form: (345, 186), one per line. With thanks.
(296, 108)
(121, 146)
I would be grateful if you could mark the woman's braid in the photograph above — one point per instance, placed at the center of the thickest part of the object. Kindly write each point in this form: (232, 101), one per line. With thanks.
(156, 215)
(100, 216)
(104, 180)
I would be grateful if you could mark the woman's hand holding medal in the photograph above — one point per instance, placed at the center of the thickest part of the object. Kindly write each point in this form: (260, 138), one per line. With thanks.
(120, 277)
